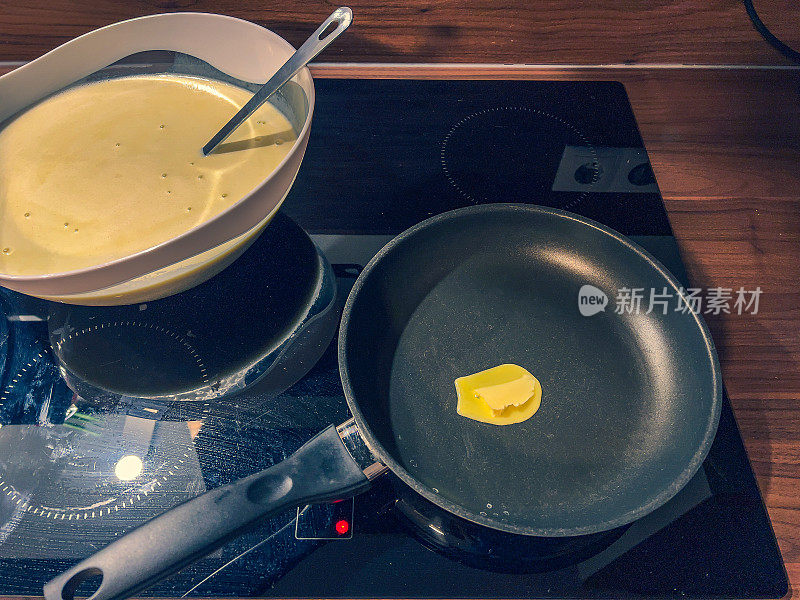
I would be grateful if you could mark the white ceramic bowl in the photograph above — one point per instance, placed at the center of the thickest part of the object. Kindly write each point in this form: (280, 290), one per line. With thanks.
(238, 48)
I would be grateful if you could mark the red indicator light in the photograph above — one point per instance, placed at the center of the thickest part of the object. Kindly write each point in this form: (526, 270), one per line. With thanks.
(342, 527)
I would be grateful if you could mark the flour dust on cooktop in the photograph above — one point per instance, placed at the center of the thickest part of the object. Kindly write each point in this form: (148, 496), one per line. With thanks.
(67, 468)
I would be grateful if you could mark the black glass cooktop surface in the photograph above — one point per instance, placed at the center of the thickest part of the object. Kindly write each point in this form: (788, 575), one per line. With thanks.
(76, 472)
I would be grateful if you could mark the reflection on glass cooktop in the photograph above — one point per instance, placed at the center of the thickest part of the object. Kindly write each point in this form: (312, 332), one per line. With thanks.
(75, 472)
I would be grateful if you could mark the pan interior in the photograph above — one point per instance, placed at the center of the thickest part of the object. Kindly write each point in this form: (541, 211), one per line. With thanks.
(628, 399)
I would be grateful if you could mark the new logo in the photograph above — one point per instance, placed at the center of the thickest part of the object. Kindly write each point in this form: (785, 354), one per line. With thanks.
(591, 300)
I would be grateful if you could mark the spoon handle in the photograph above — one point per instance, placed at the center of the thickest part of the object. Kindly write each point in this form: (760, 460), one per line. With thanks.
(319, 40)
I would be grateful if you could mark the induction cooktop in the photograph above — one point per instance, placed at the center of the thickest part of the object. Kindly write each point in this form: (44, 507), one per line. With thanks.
(75, 473)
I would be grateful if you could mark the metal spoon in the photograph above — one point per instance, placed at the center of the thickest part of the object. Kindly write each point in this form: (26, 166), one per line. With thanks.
(319, 40)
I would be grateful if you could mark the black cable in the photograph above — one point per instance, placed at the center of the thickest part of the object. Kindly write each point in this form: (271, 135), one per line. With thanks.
(784, 49)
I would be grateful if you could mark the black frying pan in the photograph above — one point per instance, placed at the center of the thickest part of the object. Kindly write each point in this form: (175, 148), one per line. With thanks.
(629, 409)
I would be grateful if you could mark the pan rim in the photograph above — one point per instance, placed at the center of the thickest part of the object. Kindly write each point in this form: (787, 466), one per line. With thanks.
(427, 492)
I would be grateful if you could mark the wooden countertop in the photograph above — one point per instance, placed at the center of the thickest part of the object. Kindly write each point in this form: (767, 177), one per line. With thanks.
(478, 31)
(725, 146)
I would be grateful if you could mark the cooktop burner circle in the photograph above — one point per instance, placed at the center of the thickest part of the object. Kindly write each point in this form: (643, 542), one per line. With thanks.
(512, 154)
(141, 358)
(212, 340)
(68, 460)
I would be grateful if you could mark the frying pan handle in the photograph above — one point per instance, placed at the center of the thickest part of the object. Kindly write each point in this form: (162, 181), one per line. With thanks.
(320, 470)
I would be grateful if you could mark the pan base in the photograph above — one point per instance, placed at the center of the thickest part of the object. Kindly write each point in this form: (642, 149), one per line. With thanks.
(484, 548)
(579, 449)
(270, 314)
(630, 398)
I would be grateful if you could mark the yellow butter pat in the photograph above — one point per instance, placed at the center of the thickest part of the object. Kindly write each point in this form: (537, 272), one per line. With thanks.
(502, 395)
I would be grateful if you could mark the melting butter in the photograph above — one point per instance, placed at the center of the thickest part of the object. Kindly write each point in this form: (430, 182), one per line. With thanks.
(110, 168)
(502, 395)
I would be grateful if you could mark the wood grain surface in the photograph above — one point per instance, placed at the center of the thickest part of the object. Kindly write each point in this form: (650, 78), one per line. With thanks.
(725, 147)
(472, 31)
